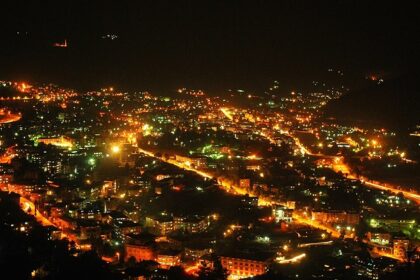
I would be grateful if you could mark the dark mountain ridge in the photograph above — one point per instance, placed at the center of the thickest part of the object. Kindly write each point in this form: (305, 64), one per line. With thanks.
(393, 103)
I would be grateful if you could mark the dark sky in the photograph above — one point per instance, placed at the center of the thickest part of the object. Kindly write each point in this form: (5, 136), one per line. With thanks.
(213, 45)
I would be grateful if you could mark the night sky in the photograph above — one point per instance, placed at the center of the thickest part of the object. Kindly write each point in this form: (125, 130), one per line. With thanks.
(213, 45)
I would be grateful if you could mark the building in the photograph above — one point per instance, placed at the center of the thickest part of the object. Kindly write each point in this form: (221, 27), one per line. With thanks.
(196, 162)
(254, 167)
(243, 267)
(61, 142)
(144, 252)
(89, 214)
(291, 204)
(164, 225)
(5, 179)
(400, 248)
(366, 268)
(142, 247)
(336, 217)
(191, 224)
(89, 229)
(65, 223)
(249, 202)
(108, 188)
(161, 225)
(53, 167)
(123, 228)
(381, 238)
(245, 183)
(282, 213)
(197, 252)
(392, 225)
(168, 258)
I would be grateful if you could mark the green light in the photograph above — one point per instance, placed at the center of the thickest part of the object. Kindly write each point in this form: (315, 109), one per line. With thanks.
(374, 223)
(91, 161)
(206, 148)
(216, 156)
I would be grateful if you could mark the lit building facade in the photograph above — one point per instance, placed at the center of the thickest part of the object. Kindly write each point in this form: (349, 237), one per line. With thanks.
(239, 267)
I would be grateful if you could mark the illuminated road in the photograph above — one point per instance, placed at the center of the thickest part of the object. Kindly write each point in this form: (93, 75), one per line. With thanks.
(339, 165)
(226, 184)
(387, 255)
(192, 269)
(378, 253)
(410, 195)
(292, 260)
(61, 142)
(178, 164)
(302, 148)
(227, 113)
(29, 207)
(231, 188)
(307, 221)
(7, 117)
(8, 155)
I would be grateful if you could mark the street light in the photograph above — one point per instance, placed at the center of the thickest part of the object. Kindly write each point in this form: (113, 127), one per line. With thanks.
(115, 149)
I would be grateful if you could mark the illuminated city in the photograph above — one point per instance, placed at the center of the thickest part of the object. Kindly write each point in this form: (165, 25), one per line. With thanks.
(108, 171)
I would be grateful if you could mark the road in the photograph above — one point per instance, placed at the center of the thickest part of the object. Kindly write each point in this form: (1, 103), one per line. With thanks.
(234, 189)
(7, 117)
(338, 164)
(380, 186)
(8, 155)
(312, 223)
(227, 113)
(29, 207)
(181, 165)
(226, 184)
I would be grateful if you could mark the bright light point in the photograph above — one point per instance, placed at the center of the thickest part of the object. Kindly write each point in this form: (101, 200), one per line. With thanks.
(116, 149)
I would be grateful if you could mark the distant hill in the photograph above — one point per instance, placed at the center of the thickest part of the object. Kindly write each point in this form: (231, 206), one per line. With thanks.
(7, 92)
(393, 104)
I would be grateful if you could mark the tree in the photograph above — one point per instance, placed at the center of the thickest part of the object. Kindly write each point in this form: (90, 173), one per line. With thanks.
(218, 272)
(131, 262)
(177, 273)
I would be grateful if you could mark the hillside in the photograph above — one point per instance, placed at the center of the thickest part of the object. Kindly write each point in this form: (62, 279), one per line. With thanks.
(393, 104)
